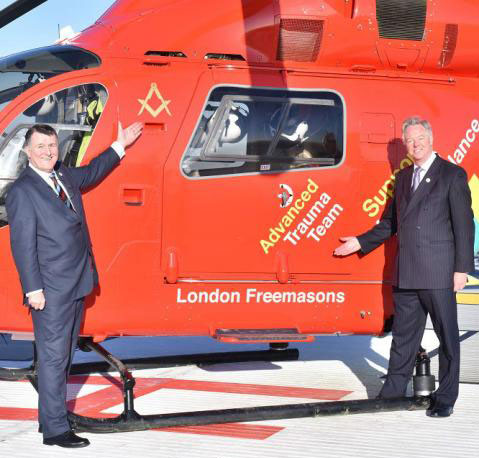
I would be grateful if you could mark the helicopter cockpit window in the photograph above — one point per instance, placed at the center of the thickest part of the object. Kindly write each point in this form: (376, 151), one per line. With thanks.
(21, 71)
(246, 130)
(72, 112)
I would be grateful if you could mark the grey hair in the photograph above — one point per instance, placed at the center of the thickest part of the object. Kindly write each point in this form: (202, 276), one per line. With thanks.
(416, 121)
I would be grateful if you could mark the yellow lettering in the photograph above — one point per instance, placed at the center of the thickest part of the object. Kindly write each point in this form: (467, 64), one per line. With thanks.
(274, 236)
(405, 162)
(305, 195)
(292, 210)
(388, 186)
(386, 191)
(287, 220)
(312, 186)
(299, 204)
(370, 207)
(266, 245)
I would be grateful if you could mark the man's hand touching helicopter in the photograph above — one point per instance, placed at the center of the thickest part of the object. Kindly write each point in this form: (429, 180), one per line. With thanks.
(350, 245)
(129, 135)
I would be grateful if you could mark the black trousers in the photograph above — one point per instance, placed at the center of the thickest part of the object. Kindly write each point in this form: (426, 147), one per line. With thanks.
(56, 331)
(411, 309)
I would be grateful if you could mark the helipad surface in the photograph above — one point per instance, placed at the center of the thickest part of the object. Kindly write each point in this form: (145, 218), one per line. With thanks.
(331, 368)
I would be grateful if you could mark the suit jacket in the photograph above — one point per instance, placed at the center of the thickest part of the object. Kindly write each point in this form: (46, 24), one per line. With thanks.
(50, 243)
(434, 227)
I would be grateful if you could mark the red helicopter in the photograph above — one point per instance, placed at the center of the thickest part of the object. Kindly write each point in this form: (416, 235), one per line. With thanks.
(271, 128)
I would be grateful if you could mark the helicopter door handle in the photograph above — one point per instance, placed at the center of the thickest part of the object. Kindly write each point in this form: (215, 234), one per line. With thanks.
(171, 266)
(133, 197)
(282, 267)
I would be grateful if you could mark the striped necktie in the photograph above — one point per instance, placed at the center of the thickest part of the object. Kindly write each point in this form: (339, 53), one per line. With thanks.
(60, 191)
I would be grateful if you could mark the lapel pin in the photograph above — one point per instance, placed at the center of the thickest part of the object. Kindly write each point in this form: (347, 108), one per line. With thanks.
(428, 180)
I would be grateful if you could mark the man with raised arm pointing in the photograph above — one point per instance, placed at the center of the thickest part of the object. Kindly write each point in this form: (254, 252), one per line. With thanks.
(432, 217)
(54, 259)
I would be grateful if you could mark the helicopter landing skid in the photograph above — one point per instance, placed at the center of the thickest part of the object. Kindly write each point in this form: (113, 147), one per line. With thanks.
(130, 420)
(11, 375)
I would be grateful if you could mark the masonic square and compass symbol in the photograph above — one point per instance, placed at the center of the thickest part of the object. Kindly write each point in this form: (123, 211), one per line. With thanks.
(145, 105)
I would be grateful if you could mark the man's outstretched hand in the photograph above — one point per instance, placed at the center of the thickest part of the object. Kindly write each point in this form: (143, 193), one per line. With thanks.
(128, 135)
(350, 245)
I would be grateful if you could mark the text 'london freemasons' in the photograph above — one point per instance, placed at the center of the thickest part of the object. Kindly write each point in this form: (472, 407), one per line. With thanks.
(256, 296)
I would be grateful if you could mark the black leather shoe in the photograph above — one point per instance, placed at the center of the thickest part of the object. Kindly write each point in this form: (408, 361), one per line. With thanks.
(439, 410)
(68, 440)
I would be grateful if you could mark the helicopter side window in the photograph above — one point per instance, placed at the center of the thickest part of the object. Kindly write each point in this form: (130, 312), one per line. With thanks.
(72, 112)
(309, 135)
(261, 130)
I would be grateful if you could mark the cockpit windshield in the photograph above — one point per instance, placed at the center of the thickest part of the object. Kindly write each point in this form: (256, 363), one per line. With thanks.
(20, 72)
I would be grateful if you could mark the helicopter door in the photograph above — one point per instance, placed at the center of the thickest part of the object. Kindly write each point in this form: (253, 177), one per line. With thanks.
(255, 191)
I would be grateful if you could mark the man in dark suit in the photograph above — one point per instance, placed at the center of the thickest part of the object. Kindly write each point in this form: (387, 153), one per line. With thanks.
(432, 217)
(52, 251)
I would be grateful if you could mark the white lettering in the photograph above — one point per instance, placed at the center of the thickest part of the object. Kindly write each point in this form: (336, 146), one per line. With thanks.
(289, 238)
(250, 294)
(179, 299)
(472, 137)
(465, 144)
(205, 297)
(253, 295)
(312, 234)
(288, 297)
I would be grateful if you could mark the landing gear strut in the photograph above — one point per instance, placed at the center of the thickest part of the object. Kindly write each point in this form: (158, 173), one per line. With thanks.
(128, 381)
(423, 382)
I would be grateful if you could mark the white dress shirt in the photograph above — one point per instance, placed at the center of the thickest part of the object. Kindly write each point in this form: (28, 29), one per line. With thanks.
(424, 167)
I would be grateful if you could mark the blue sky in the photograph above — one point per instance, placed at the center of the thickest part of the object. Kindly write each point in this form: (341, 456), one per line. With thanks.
(39, 27)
